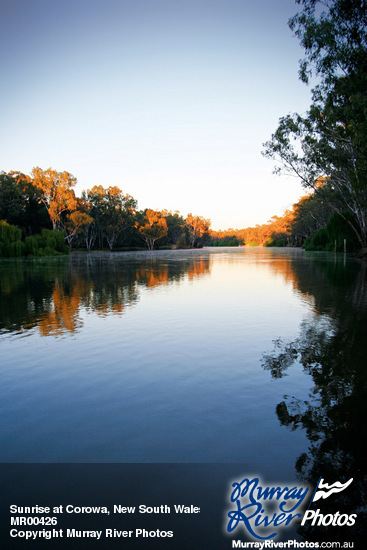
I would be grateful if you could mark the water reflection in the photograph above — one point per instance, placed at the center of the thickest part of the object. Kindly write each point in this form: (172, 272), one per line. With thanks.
(331, 348)
(26, 292)
(52, 294)
(178, 378)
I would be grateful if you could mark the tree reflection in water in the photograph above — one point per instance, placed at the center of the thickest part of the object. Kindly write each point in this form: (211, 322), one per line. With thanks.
(331, 348)
(52, 294)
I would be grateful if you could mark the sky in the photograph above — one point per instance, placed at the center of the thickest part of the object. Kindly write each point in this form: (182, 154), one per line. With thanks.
(170, 100)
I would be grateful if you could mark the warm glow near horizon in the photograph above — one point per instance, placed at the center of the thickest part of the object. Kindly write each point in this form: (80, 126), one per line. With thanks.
(170, 101)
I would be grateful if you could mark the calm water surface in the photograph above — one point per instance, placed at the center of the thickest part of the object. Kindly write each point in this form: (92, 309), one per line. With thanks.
(220, 355)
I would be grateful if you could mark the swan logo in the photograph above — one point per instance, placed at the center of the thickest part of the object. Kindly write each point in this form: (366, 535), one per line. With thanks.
(323, 491)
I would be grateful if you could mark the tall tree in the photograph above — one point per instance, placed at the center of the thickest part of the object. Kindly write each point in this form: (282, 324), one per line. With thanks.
(198, 228)
(119, 211)
(311, 213)
(20, 203)
(153, 227)
(11, 200)
(113, 213)
(175, 226)
(93, 206)
(330, 141)
(57, 193)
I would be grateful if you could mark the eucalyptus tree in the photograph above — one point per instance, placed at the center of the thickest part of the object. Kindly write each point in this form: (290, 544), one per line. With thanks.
(56, 193)
(198, 228)
(176, 227)
(113, 212)
(153, 226)
(92, 200)
(311, 213)
(119, 210)
(77, 223)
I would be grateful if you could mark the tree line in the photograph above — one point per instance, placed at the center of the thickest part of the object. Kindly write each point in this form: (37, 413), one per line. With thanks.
(310, 223)
(41, 215)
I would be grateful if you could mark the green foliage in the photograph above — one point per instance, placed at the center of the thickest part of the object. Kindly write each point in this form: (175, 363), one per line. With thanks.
(9, 233)
(319, 241)
(11, 202)
(31, 246)
(177, 233)
(114, 217)
(336, 230)
(273, 241)
(11, 245)
(310, 214)
(339, 228)
(229, 240)
(20, 203)
(49, 243)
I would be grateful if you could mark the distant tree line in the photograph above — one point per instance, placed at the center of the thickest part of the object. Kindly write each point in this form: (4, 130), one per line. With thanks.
(311, 223)
(41, 215)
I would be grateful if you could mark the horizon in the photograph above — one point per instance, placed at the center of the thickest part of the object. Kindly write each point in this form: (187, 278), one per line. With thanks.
(171, 103)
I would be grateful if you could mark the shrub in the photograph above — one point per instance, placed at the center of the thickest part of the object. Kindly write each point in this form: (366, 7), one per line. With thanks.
(31, 246)
(49, 243)
(11, 245)
(337, 229)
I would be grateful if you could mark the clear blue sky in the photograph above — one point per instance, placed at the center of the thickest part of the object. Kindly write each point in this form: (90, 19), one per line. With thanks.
(170, 100)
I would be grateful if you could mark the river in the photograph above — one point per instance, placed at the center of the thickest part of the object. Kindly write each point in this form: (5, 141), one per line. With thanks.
(249, 355)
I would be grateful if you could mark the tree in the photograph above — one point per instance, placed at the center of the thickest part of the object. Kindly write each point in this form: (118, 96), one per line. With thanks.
(176, 228)
(113, 213)
(330, 141)
(20, 203)
(119, 211)
(310, 214)
(198, 228)
(77, 222)
(11, 201)
(153, 227)
(57, 193)
(92, 200)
